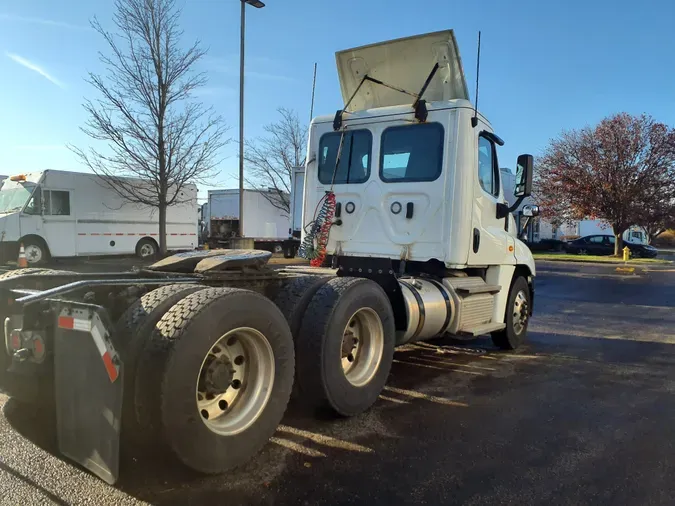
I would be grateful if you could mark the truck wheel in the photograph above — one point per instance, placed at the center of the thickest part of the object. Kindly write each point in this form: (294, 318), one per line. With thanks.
(146, 249)
(295, 296)
(36, 251)
(224, 364)
(516, 318)
(131, 332)
(345, 346)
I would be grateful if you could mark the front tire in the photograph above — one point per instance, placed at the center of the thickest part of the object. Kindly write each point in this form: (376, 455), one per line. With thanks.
(345, 346)
(37, 253)
(224, 365)
(517, 316)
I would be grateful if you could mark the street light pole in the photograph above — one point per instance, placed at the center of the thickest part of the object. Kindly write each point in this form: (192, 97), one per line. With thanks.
(258, 4)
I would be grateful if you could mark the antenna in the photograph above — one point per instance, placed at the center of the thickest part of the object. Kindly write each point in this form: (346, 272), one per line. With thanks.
(311, 109)
(474, 120)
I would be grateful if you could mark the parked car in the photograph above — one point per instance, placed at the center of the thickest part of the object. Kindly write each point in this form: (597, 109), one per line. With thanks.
(604, 245)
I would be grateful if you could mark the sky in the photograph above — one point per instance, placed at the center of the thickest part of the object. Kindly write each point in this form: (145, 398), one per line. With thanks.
(546, 66)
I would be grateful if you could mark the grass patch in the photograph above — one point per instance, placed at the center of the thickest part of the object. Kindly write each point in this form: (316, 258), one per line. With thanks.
(563, 257)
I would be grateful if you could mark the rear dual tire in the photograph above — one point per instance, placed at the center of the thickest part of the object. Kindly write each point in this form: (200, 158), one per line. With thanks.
(171, 384)
(345, 346)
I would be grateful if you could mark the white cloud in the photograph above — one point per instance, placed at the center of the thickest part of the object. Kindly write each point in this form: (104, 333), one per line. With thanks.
(41, 21)
(35, 68)
(40, 147)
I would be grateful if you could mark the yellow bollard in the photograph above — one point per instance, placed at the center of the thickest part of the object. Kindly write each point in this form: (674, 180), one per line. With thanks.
(626, 253)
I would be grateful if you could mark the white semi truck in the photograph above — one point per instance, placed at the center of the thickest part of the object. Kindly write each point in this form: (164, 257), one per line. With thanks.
(198, 354)
(57, 213)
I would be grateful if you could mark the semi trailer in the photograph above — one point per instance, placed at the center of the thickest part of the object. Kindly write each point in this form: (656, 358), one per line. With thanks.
(266, 223)
(198, 355)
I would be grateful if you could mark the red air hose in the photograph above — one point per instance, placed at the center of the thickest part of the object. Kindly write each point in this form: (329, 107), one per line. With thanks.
(327, 214)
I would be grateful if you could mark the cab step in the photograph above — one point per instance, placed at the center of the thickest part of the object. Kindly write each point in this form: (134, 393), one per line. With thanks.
(486, 328)
(476, 289)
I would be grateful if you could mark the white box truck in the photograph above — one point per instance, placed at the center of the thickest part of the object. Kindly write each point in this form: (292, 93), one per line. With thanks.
(264, 223)
(59, 214)
(403, 195)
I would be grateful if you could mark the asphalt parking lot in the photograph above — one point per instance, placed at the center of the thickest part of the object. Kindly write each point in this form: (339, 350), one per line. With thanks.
(582, 415)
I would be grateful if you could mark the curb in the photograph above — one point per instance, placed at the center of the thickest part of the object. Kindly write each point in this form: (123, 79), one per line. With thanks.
(665, 263)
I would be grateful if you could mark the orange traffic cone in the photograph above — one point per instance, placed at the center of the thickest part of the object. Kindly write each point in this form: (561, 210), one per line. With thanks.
(22, 262)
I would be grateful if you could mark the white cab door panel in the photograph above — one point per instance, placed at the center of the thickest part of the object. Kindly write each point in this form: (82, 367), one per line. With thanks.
(491, 243)
(59, 222)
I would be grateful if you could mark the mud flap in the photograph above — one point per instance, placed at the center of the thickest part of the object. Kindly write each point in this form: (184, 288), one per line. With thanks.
(88, 389)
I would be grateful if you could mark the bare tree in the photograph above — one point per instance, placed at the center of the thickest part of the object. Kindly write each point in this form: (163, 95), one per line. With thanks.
(153, 131)
(611, 171)
(270, 159)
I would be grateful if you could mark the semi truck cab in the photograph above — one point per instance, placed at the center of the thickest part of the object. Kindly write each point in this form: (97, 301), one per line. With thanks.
(416, 183)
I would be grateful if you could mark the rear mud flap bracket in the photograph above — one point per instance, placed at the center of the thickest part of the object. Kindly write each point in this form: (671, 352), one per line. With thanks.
(88, 389)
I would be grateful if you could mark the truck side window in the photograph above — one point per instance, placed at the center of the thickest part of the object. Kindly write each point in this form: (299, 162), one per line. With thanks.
(57, 202)
(34, 205)
(488, 168)
(354, 160)
(412, 153)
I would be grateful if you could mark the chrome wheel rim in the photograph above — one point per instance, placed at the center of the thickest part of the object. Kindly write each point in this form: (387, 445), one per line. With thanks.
(33, 253)
(235, 381)
(520, 310)
(362, 346)
(147, 250)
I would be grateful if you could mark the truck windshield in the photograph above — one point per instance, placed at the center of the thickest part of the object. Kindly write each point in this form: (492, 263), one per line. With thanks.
(13, 199)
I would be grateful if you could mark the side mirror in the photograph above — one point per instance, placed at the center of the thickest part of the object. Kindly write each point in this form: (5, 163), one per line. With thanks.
(530, 211)
(524, 171)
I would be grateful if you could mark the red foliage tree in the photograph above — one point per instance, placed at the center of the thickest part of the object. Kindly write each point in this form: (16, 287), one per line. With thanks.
(614, 171)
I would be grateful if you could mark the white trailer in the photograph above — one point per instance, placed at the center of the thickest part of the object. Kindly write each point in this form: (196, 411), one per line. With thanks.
(403, 196)
(264, 222)
(59, 214)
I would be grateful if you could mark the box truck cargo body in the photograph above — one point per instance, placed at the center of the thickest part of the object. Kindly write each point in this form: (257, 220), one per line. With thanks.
(264, 222)
(65, 214)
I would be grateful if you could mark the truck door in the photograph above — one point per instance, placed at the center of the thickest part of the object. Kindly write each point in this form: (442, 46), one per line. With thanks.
(59, 222)
(491, 243)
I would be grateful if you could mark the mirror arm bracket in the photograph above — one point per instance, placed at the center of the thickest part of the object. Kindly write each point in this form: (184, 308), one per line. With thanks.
(517, 203)
(521, 233)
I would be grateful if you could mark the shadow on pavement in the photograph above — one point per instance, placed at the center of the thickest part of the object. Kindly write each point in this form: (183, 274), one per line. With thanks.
(452, 420)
